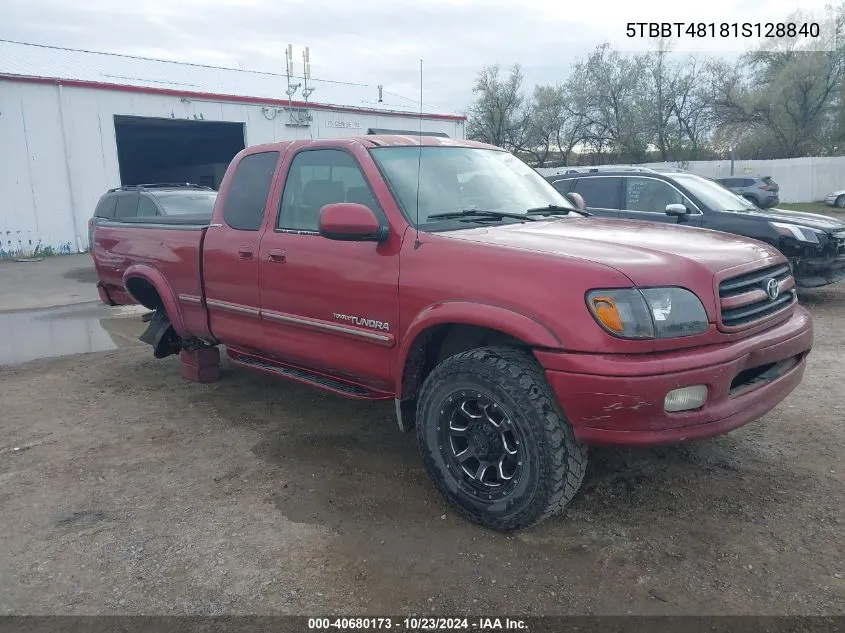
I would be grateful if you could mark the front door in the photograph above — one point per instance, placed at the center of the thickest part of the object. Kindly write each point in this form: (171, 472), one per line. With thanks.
(645, 198)
(325, 304)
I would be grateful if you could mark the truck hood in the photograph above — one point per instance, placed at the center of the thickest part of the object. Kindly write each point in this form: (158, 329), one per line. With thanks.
(812, 220)
(647, 253)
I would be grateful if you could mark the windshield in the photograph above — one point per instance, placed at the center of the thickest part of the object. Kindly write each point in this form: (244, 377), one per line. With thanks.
(186, 203)
(454, 179)
(713, 195)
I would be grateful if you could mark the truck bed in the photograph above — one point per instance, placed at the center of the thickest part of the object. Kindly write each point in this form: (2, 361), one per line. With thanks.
(167, 248)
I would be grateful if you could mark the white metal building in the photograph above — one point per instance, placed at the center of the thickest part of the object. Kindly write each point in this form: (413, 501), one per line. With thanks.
(75, 123)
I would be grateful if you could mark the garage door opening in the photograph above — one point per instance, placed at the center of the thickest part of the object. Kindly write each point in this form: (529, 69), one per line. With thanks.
(166, 150)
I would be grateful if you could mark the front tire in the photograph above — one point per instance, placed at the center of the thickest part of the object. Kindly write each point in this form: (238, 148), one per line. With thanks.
(840, 202)
(494, 440)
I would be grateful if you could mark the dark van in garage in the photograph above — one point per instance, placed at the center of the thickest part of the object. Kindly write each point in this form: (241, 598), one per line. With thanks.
(814, 244)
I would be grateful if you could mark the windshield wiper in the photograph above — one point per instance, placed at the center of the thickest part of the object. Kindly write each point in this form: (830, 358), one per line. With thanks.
(554, 209)
(481, 213)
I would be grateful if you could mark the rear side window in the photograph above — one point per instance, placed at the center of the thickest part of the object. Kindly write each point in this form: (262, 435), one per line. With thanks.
(747, 182)
(768, 180)
(146, 208)
(105, 208)
(247, 195)
(127, 206)
(600, 192)
(650, 195)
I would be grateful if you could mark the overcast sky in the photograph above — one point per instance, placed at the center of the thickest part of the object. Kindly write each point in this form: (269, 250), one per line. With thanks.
(373, 41)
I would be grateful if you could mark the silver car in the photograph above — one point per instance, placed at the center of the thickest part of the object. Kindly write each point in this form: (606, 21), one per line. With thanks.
(836, 199)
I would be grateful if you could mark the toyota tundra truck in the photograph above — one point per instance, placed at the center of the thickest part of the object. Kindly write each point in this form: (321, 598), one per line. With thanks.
(510, 328)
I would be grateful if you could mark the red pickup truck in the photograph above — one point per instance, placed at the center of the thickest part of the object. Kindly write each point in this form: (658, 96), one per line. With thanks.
(510, 328)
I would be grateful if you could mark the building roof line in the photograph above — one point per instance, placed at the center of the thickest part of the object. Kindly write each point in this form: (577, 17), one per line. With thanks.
(209, 96)
(207, 66)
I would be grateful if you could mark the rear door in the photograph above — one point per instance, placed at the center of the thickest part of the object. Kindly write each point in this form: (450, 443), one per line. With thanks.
(602, 194)
(646, 198)
(230, 252)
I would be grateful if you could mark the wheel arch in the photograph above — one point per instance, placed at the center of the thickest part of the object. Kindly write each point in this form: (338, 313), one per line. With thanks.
(150, 288)
(448, 328)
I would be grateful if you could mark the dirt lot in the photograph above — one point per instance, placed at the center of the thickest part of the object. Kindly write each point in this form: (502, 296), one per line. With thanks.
(128, 490)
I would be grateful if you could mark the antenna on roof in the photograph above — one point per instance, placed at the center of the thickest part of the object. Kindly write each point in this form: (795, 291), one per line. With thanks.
(292, 88)
(306, 74)
(419, 162)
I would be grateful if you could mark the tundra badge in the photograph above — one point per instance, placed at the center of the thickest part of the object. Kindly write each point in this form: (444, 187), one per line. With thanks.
(378, 325)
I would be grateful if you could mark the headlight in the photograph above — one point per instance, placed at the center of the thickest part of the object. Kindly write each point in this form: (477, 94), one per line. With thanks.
(800, 233)
(648, 313)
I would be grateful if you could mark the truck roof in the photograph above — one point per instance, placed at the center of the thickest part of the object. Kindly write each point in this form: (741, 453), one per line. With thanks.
(375, 140)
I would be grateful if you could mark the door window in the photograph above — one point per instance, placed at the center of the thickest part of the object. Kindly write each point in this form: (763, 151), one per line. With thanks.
(601, 192)
(127, 206)
(651, 195)
(146, 208)
(317, 178)
(248, 191)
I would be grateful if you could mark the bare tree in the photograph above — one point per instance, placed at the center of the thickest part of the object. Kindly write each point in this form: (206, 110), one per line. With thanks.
(785, 94)
(785, 99)
(661, 83)
(693, 103)
(498, 115)
(608, 93)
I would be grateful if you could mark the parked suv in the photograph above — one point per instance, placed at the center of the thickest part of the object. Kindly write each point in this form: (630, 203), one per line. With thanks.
(166, 200)
(763, 192)
(814, 244)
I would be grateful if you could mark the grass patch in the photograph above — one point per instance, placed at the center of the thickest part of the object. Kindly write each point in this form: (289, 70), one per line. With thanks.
(812, 207)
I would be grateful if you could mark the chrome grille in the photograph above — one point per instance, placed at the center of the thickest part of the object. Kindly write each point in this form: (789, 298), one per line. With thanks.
(745, 301)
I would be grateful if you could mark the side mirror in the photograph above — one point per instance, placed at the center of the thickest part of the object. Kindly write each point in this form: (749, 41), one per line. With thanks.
(578, 200)
(351, 222)
(676, 210)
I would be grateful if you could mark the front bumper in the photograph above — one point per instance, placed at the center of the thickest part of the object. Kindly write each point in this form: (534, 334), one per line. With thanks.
(619, 399)
(821, 271)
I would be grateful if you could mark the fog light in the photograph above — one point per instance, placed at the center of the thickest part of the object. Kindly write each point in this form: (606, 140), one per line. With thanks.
(685, 398)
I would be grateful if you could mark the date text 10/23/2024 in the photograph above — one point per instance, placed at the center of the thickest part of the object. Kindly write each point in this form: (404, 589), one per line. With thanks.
(418, 624)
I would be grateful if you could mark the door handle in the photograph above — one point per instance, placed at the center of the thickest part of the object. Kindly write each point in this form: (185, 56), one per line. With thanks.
(277, 255)
(245, 252)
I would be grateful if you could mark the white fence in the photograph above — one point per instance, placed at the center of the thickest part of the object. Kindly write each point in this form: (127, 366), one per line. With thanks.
(800, 179)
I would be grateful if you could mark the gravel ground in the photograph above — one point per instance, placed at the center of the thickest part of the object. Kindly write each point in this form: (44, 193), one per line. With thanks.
(128, 490)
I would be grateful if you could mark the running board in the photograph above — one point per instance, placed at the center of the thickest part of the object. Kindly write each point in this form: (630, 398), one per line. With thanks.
(307, 377)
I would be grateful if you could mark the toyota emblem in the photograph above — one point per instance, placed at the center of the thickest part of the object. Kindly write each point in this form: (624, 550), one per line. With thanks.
(772, 289)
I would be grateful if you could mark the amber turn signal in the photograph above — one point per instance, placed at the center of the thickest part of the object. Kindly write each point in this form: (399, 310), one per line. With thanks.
(607, 312)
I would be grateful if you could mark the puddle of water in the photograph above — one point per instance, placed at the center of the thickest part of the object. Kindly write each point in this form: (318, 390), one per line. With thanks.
(46, 333)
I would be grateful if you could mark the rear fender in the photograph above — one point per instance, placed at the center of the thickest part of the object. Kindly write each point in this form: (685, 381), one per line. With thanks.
(165, 293)
(522, 327)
